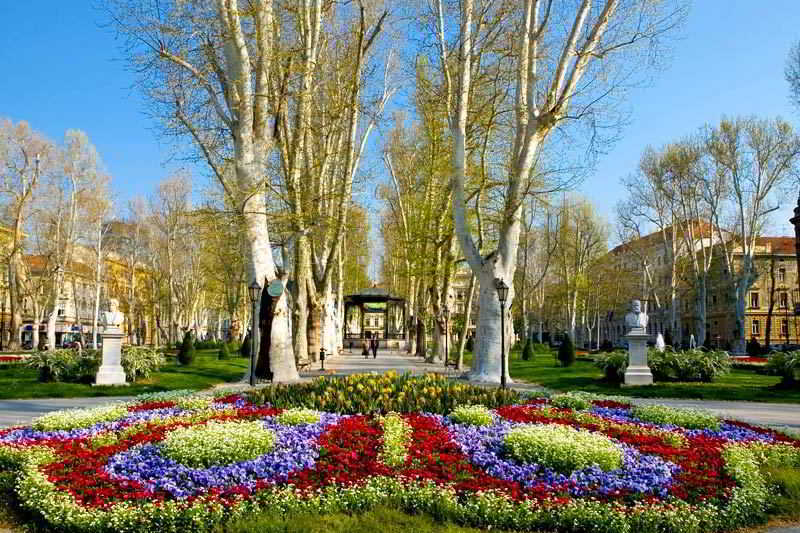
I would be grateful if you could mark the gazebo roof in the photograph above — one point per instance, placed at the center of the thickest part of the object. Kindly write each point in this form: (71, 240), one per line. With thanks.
(372, 294)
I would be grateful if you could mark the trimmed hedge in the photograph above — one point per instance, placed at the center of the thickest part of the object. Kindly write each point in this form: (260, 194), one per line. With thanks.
(186, 352)
(566, 352)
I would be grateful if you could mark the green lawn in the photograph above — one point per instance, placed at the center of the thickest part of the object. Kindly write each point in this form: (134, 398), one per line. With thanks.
(19, 381)
(743, 385)
(379, 519)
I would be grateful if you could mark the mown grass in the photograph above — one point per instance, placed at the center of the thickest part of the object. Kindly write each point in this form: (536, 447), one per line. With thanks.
(19, 381)
(739, 384)
(379, 519)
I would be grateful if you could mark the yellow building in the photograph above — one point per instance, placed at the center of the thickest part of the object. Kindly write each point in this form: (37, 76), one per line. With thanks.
(770, 302)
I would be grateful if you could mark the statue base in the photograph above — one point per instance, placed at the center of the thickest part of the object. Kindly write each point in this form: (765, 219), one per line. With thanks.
(111, 371)
(637, 373)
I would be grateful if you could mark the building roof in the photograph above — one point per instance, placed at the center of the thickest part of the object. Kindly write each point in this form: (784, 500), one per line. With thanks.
(704, 229)
(778, 245)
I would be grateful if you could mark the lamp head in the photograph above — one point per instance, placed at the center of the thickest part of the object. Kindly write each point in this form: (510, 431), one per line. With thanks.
(254, 291)
(502, 290)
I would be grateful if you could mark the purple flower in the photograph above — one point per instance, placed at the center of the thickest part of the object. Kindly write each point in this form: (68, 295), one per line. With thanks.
(485, 447)
(295, 449)
(727, 431)
(29, 435)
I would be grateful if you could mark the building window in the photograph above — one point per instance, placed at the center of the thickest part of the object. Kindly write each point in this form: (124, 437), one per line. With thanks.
(785, 327)
(783, 300)
(755, 328)
(781, 274)
(60, 311)
(754, 300)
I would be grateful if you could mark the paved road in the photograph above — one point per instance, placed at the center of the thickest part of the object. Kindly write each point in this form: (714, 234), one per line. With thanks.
(14, 412)
(767, 414)
(19, 412)
(354, 363)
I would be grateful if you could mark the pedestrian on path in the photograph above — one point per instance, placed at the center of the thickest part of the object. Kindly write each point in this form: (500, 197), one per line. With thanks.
(365, 349)
(375, 348)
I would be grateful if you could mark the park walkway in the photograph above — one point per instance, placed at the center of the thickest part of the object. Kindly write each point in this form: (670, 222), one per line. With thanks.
(352, 362)
(15, 412)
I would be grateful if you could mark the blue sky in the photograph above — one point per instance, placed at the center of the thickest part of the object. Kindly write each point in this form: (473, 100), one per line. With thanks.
(729, 61)
(61, 69)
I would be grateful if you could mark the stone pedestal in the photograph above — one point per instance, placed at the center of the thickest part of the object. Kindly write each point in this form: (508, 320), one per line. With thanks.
(111, 371)
(638, 373)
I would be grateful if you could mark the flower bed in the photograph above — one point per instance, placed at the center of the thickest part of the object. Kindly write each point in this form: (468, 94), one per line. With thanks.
(145, 468)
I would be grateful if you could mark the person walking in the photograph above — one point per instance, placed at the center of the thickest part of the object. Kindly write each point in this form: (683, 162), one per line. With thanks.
(365, 348)
(375, 344)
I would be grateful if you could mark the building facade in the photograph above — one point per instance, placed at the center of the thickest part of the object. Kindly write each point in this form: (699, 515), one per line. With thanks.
(769, 303)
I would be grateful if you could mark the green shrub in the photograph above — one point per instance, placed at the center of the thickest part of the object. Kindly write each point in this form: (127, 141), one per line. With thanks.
(244, 349)
(753, 347)
(687, 418)
(208, 345)
(389, 392)
(613, 365)
(223, 352)
(234, 346)
(570, 401)
(689, 365)
(141, 361)
(527, 352)
(562, 448)
(218, 443)
(785, 365)
(566, 352)
(473, 415)
(186, 351)
(65, 365)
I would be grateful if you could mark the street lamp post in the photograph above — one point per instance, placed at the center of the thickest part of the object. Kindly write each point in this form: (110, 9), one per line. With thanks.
(446, 335)
(254, 291)
(502, 294)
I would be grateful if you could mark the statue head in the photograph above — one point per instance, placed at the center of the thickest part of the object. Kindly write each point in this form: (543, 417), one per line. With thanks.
(636, 306)
(113, 305)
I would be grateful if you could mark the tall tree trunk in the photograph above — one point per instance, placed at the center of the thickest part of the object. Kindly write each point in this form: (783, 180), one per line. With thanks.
(488, 332)
(261, 266)
(302, 311)
(462, 341)
(700, 302)
(16, 286)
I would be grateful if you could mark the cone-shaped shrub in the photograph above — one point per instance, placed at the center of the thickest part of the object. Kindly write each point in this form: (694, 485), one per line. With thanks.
(223, 352)
(527, 352)
(566, 352)
(186, 352)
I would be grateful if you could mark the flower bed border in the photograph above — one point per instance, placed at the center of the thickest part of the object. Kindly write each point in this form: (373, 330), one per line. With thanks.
(746, 507)
(435, 477)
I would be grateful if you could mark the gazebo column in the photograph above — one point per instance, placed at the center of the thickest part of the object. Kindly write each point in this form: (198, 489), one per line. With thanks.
(386, 321)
